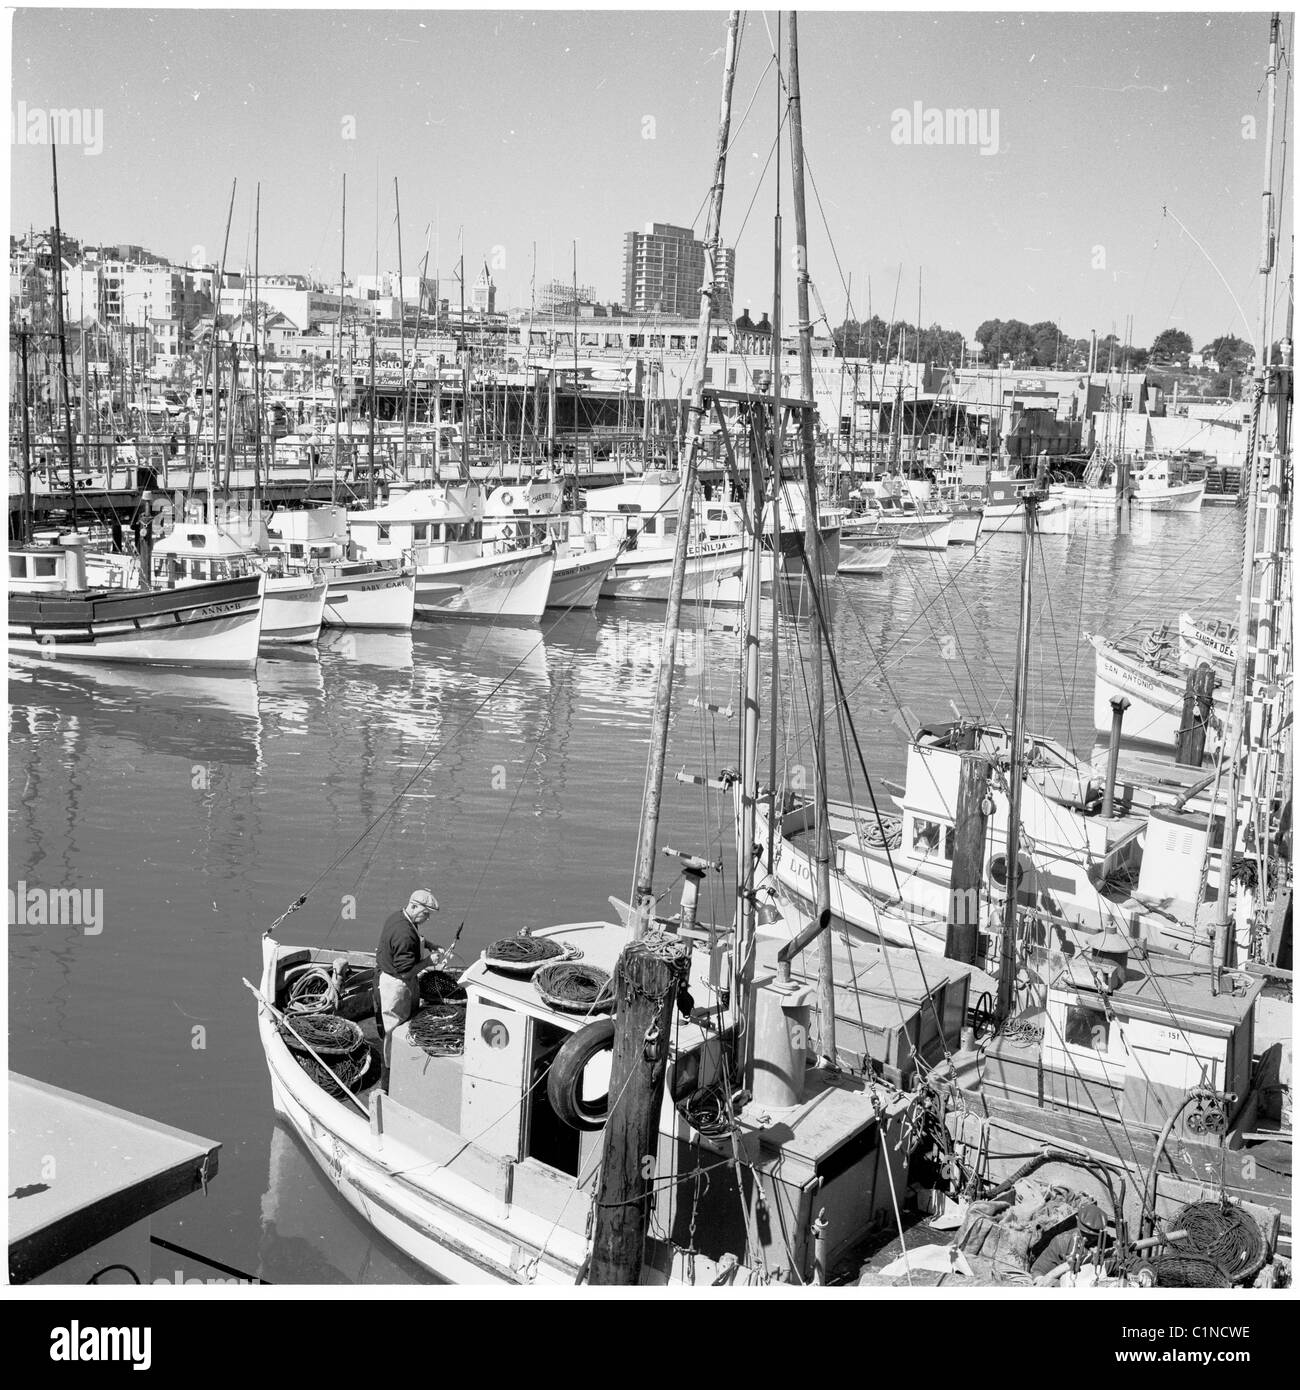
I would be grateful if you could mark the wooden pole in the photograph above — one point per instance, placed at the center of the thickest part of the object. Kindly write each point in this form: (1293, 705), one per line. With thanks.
(643, 894)
(370, 491)
(1015, 776)
(25, 525)
(401, 313)
(63, 336)
(257, 357)
(962, 941)
(813, 562)
(645, 981)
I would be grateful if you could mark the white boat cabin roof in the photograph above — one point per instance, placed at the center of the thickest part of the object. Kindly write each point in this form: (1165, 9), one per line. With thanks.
(442, 502)
(192, 538)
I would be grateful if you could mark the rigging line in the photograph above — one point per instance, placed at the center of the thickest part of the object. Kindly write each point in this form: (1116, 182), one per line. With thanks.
(1051, 624)
(759, 187)
(1249, 328)
(847, 717)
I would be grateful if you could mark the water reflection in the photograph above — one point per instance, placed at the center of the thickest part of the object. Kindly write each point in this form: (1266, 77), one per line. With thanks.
(309, 1234)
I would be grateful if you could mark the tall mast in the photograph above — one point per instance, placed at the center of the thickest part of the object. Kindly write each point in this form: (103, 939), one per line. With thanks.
(215, 358)
(63, 338)
(338, 353)
(401, 313)
(813, 562)
(464, 370)
(1238, 731)
(643, 894)
(1020, 700)
(26, 528)
(257, 356)
(415, 357)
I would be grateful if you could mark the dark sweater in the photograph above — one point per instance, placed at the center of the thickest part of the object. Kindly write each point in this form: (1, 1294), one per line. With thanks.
(400, 948)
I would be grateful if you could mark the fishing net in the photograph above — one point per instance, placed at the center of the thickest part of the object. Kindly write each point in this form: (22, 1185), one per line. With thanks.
(1225, 1234)
(439, 1029)
(327, 1034)
(577, 988)
(351, 1070)
(1189, 1272)
(440, 987)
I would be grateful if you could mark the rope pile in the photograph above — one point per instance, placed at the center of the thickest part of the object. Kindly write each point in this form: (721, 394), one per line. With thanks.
(350, 1069)
(886, 832)
(522, 950)
(1225, 1234)
(313, 992)
(439, 1029)
(578, 988)
(708, 1110)
(1021, 1033)
(327, 1034)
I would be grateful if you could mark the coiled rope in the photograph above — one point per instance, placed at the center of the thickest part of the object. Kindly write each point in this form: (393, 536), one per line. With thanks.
(573, 986)
(314, 992)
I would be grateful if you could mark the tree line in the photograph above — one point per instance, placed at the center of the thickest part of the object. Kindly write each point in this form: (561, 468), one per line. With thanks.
(1027, 345)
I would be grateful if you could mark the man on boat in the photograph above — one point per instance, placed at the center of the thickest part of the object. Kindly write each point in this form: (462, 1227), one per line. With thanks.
(401, 954)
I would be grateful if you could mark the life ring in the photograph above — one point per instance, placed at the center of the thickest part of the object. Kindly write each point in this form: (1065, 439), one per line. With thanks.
(998, 870)
(564, 1083)
(507, 499)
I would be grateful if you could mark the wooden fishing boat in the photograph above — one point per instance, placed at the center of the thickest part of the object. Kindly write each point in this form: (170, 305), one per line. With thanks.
(55, 614)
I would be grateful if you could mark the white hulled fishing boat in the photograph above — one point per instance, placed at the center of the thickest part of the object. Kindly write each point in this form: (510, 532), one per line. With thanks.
(440, 530)
(520, 516)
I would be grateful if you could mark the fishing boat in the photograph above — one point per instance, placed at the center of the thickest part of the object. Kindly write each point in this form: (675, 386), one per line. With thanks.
(1146, 482)
(1004, 510)
(866, 548)
(518, 516)
(889, 506)
(369, 594)
(1146, 669)
(440, 530)
(55, 613)
(196, 553)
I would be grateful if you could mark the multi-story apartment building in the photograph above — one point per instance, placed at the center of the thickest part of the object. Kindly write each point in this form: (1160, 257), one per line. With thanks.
(664, 268)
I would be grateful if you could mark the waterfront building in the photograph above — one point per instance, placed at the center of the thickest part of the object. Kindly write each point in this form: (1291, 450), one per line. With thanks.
(664, 268)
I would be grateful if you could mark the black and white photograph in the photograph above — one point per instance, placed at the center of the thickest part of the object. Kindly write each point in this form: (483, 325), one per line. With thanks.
(650, 654)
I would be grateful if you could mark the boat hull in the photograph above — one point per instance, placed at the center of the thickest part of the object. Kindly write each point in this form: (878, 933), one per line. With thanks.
(1155, 714)
(293, 609)
(215, 625)
(921, 533)
(513, 587)
(1052, 518)
(1182, 497)
(578, 579)
(966, 528)
(364, 596)
(869, 553)
(712, 577)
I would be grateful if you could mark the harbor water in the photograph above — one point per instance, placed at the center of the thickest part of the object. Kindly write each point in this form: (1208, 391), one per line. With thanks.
(503, 768)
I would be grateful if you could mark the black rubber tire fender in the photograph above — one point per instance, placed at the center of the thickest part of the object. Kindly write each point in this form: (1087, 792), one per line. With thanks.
(564, 1082)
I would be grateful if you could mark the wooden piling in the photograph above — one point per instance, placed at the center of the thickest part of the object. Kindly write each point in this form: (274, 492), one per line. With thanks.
(962, 941)
(645, 982)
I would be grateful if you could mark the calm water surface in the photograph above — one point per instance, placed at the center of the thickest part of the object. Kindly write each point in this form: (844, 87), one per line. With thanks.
(502, 767)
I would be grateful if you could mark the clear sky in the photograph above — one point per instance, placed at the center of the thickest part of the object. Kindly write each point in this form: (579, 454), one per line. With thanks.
(542, 127)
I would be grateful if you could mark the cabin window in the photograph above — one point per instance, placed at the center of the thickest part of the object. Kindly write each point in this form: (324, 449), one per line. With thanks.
(384, 530)
(932, 840)
(670, 525)
(717, 514)
(636, 340)
(649, 526)
(678, 342)
(421, 531)
(731, 376)
(1085, 1027)
(296, 551)
(17, 567)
